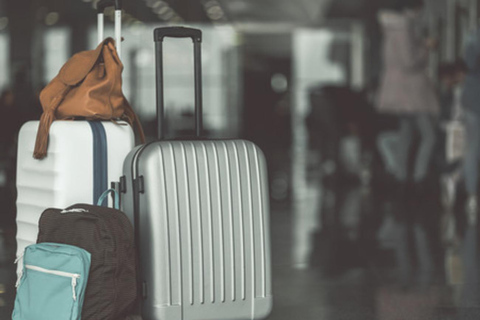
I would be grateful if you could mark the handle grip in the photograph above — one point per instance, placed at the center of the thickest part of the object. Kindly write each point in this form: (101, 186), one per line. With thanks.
(103, 4)
(177, 32)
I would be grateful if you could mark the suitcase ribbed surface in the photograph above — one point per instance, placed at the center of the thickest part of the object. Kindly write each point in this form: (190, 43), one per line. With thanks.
(42, 184)
(65, 176)
(204, 221)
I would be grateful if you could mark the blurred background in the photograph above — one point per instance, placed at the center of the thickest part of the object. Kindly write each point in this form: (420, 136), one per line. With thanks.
(371, 214)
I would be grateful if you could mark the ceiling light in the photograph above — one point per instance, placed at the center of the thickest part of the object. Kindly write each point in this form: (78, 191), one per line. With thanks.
(214, 10)
(162, 10)
(159, 4)
(279, 83)
(52, 18)
(169, 15)
(210, 3)
(215, 13)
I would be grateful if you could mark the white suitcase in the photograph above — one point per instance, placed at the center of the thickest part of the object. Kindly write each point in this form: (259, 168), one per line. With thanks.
(66, 175)
(74, 170)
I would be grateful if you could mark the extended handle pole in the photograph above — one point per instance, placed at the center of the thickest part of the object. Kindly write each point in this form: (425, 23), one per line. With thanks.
(101, 6)
(196, 36)
(198, 89)
(160, 93)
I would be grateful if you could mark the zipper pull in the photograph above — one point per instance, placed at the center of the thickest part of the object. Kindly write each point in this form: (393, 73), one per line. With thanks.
(19, 278)
(20, 257)
(78, 210)
(74, 284)
(19, 273)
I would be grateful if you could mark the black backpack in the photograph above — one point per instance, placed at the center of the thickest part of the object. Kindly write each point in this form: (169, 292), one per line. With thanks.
(109, 237)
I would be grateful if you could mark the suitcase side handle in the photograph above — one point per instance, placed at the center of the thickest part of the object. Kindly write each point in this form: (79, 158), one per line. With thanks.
(178, 32)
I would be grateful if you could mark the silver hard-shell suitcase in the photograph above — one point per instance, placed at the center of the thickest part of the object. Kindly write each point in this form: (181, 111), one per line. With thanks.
(201, 213)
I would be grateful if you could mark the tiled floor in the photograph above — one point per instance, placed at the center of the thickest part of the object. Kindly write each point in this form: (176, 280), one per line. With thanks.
(356, 259)
(346, 252)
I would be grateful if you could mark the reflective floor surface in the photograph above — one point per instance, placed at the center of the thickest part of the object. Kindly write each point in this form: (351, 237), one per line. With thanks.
(343, 253)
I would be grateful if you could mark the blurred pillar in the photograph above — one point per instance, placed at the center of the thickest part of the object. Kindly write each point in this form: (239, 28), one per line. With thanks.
(21, 25)
(134, 77)
(79, 35)
(358, 60)
(22, 19)
(436, 17)
(4, 47)
(434, 28)
(450, 30)
(473, 11)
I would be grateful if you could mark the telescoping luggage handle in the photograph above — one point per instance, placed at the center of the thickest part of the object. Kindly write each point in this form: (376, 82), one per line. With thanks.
(178, 32)
(101, 6)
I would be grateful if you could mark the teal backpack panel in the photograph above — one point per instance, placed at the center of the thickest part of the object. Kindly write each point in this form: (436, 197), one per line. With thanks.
(53, 283)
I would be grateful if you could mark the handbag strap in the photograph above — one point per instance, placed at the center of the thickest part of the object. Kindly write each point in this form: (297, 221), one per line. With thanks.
(46, 121)
(134, 121)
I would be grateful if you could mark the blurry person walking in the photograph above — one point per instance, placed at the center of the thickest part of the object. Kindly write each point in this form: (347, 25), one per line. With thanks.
(471, 104)
(406, 90)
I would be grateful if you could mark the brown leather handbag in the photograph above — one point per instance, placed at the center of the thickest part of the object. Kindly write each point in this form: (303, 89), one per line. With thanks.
(89, 86)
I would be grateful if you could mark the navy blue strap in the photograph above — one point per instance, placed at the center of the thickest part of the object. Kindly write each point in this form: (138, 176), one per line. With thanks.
(100, 162)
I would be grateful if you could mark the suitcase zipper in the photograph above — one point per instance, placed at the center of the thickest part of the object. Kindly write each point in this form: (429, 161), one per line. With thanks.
(73, 276)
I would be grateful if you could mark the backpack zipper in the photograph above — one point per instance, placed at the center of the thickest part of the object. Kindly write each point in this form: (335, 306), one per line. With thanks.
(78, 210)
(74, 276)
